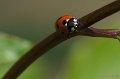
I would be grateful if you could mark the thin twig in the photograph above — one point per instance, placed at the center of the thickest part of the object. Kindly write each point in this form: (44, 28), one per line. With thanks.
(95, 32)
(56, 38)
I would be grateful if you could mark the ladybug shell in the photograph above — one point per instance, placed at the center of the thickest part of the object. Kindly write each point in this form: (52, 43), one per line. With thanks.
(60, 27)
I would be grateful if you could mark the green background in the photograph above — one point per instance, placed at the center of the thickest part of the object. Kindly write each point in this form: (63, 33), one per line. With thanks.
(81, 57)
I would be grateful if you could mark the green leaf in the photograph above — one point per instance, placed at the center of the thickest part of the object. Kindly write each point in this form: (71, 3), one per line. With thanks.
(12, 47)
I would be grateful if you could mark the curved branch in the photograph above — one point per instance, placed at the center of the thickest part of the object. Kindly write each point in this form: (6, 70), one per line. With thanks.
(56, 38)
(99, 14)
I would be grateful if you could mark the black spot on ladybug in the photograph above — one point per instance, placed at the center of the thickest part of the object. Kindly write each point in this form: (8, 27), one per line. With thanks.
(64, 22)
(72, 19)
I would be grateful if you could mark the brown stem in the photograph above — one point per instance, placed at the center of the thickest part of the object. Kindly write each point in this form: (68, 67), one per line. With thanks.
(33, 54)
(99, 14)
(94, 32)
(56, 38)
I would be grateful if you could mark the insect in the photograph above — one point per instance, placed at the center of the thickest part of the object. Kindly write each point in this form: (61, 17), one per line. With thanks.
(66, 24)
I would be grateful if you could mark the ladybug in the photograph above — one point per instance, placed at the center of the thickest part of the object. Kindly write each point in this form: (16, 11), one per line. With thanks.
(66, 24)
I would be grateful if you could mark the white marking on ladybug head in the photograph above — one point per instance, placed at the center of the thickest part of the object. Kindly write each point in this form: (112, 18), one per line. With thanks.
(65, 24)
(67, 20)
(75, 20)
(76, 26)
(75, 23)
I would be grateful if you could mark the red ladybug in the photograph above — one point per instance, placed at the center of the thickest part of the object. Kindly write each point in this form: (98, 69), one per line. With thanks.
(66, 24)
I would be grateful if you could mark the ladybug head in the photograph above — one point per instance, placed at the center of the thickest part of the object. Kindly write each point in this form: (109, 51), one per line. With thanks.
(71, 24)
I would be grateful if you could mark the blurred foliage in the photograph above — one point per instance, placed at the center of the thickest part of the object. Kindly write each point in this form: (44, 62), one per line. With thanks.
(96, 58)
(11, 48)
(88, 58)
(85, 58)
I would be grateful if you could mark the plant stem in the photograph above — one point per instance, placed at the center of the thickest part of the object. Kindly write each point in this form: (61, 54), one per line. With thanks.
(108, 33)
(99, 14)
(56, 38)
(33, 54)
